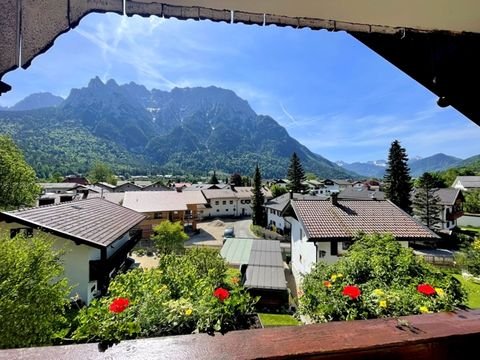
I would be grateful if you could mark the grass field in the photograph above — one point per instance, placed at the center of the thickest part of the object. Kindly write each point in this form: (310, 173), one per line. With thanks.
(270, 320)
(473, 291)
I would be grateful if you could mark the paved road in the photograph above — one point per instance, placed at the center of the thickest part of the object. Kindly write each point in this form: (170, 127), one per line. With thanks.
(242, 228)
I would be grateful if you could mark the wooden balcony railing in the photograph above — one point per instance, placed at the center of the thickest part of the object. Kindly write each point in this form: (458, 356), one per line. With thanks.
(441, 336)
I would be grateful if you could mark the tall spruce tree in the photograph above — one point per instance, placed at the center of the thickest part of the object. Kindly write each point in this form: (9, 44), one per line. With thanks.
(426, 205)
(295, 175)
(258, 199)
(397, 178)
(213, 179)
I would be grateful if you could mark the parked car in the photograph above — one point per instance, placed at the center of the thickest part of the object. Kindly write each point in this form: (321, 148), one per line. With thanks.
(228, 233)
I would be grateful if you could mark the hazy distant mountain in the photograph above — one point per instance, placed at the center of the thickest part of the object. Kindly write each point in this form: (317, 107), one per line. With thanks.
(435, 162)
(192, 130)
(418, 165)
(37, 101)
(370, 169)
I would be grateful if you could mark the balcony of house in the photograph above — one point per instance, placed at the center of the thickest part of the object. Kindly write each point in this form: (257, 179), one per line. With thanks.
(431, 336)
(454, 213)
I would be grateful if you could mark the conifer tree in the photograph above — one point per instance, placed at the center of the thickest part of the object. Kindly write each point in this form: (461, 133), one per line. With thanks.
(213, 179)
(426, 205)
(296, 174)
(397, 178)
(258, 199)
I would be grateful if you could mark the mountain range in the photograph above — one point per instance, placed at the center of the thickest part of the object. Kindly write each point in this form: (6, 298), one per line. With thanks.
(136, 130)
(418, 166)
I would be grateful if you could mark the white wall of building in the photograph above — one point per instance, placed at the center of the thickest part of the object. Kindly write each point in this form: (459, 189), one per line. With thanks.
(304, 254)
(274, 218)
(228, 207)
(75, 260)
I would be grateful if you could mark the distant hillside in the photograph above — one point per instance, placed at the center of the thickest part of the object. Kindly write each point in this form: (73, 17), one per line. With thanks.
(191, 130)
(37, 101)
(437, 162)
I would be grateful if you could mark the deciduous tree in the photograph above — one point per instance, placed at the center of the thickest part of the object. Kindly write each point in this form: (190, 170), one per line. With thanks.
(33, 291)
(397, 178)
(426, 205)
(277, 190)
(169, 237)
(17, 178)
(101, 172)
(296, 174)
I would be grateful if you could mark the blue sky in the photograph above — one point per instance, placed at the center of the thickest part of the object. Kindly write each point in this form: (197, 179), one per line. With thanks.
(332, 94)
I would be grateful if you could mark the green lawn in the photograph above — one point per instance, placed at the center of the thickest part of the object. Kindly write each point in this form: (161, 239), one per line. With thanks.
(270, 320)
(473, 291)
(471, 228)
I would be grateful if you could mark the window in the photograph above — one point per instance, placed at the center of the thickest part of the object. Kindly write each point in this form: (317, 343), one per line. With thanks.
(157, 215)
(226, 209)
(216, 203)
(224, 202)
(218, 210)
(321, 254)
(231, 202)
(333, 248)
(346, 245)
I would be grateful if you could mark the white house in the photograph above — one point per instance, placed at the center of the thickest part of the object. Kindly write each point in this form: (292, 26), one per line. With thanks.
(233, 201)
(323, 230)
(275, 208)
(466, 183)
(96, 235)
(452, 206)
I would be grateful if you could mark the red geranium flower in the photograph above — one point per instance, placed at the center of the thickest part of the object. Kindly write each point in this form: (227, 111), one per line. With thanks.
(221, 294)
(118, 305)
(352, 291)
(426, 289)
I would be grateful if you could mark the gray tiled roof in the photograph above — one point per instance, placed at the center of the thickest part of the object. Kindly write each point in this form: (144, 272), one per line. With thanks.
(95, 221)
(469, 181)
(323, 220)
(361, 193)
(448, 196)
(280, 202)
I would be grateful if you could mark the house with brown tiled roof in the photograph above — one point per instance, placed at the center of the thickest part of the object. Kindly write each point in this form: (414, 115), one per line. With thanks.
(158, 206)
(323, 230)
(95, 234)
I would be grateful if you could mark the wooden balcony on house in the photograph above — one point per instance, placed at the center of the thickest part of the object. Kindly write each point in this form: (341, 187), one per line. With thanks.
(432, 336)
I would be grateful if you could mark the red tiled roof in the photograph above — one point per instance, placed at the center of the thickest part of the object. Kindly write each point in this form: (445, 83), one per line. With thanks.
(323, 220)
(95, 221)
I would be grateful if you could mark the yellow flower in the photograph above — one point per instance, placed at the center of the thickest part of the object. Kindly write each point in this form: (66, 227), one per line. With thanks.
(339, 275)
(424, 309)
(188, 312)
(440, 292)
(378, 292)
(333, 278)
(383, 303)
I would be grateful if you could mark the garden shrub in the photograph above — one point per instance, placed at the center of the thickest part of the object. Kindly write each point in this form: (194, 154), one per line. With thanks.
(377, 278)
(469, 259)
(185, 294)
(33, 292)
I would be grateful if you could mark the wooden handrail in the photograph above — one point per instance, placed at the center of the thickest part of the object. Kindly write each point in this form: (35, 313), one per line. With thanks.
(453, 335)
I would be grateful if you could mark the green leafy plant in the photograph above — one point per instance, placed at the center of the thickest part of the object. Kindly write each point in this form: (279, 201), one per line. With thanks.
(377, 278)
(33, 292)
(189, 293)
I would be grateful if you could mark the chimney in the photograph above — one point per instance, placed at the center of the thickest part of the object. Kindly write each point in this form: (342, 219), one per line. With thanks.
(291, 194)
(232, 186)
(334, 198)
